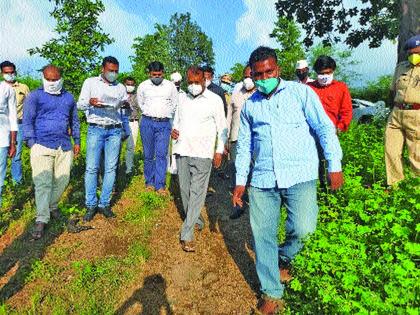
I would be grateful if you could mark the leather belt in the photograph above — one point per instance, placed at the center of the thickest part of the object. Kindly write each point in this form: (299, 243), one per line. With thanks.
(133, 120)
(112, 126)
(156, 118)
(20, 120)
(414, 106)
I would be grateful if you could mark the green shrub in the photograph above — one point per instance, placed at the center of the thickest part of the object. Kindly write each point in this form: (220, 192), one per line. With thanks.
(375, 90)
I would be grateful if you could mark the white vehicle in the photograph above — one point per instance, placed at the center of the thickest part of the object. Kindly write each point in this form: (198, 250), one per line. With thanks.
(365, 111)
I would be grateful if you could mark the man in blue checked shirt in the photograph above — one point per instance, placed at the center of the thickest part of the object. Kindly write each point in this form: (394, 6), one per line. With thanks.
(275, 131)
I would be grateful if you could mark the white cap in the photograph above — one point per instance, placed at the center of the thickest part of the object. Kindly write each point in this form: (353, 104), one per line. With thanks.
(176, 77)
(301, 64)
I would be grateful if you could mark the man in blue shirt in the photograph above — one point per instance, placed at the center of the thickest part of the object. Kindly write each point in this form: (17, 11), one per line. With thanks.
(49, 113)
(275, 126)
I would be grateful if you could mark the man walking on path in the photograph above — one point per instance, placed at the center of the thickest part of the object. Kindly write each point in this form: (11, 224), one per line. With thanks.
(158, 99)
(275, 132)
(8, 71)
(199, 124)
(8, 129)
(404, 121)
(49, 113)
(101, 98)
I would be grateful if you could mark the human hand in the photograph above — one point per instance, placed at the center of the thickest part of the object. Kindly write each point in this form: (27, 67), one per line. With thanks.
(336, 180)
(12, 150)
(76, 150)
(238, 192)
(95, 102)
(175, 134)
(217, 160)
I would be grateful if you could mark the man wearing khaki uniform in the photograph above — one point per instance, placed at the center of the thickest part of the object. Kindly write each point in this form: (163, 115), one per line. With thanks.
(404, 121)
(50, 113)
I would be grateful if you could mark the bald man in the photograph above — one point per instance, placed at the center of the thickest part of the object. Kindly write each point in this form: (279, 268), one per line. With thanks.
(49, 113)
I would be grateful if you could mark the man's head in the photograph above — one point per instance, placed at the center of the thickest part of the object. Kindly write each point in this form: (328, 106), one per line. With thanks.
(51, 80)
(110, 68)
(264, 68)
(208, 74)
(412, 46)
(247, 79)
(176, 78)
(325, 66)
(196, 80)
(302, 69)
(226, 83)
(156, 71)
(130, 84)
(8, 71)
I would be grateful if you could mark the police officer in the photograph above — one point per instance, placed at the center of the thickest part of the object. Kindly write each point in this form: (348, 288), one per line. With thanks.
(404, 121)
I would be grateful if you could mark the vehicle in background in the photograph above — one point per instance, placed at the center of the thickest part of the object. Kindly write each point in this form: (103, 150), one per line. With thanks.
(365, 112)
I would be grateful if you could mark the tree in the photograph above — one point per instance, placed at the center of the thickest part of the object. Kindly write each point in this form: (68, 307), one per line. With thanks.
(76, 50)
(287, 34)
(369, 20)
(237, 71)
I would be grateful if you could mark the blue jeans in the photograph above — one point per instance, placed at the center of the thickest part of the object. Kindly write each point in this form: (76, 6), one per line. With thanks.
(100, 140)
(155, 139)
(3, 167)
(302, 212)
(16, 168)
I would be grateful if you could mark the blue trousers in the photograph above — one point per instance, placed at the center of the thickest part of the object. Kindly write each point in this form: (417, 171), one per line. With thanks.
(16, 167)
(302, 212)
(3, 165)
(155, 139)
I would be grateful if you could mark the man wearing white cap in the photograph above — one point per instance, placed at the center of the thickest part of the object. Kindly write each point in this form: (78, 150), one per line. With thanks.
(176, 79)
(302, 72)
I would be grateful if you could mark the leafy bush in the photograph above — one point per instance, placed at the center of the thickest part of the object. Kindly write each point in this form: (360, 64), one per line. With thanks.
(375, 90)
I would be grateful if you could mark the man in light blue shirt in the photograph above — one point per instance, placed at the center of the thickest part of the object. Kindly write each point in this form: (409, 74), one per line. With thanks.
(275, 131)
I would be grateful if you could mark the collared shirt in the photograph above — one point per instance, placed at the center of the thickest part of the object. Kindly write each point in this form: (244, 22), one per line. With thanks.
(158, 101)
(336, 100)
(276, 133)
(22, 91)
(234, 111)
(201, 124)
(8, 119)
(48, 118)
(113, 94)
(406, 83)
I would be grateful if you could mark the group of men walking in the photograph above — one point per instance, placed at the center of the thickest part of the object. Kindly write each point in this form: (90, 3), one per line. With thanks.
(279, 135)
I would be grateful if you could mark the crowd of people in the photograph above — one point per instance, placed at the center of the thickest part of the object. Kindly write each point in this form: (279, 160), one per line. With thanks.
(280, 137)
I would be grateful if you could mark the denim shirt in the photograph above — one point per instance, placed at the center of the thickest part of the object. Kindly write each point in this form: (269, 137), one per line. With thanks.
(277, 133)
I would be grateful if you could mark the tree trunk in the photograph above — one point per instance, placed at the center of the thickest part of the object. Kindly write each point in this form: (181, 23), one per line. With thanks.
(410, 24)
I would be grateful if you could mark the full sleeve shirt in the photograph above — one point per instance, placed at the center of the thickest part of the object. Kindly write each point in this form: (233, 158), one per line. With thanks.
(158, 101)
(8, 116)
(234, 110)
(201, 124)
(336, 100)
(276, 134)
(22, 91)
(48, 118)
(113, 94)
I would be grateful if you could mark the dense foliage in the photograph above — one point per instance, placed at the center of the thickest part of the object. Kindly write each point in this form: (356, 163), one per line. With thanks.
(378, 90)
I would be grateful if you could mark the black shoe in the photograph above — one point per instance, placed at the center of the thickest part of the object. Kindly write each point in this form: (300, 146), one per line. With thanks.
(107, 212)
(236, 214)
(90, 213)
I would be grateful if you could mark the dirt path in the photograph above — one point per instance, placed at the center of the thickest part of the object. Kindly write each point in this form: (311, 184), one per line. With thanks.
(219, 278)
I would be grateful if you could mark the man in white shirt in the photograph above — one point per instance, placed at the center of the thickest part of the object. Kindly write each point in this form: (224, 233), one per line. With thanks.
(199, 123)
(302, 72)
(8, 128)
(157, 99)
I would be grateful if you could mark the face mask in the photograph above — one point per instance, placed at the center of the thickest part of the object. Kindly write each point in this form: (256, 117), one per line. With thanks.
(9, 77)
(208, 82)
(325, 79)
(177, 87)
(130, 88)
(227, 87)
(52, 87)
(111, 76)
(414, 59)
(195, 89)
(248, 84)
(156, 81)
(267, 86)
(302, 75)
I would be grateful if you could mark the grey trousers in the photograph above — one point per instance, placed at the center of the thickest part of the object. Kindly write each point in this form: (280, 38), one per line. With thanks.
(193, 174)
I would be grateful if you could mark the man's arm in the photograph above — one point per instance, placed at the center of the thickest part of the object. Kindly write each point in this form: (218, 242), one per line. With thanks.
(75, 125)
(244, 148)
(346, 110)
(174, 98)
(13, 122)
(221, 128)
(140, 97)
(85, 95)
(29, 116)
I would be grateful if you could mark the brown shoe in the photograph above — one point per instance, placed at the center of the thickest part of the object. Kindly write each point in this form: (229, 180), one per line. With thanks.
(150, 188)
(162, 192)
(285, 276)
(188, 246)
(267, 306)
(38, 231)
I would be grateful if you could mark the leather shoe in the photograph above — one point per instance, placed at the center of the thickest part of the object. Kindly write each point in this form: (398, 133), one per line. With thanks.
(90, 213)
(237, 212)
(107, 212)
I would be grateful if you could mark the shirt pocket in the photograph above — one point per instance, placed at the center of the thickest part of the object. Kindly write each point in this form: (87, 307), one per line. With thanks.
(403, 82)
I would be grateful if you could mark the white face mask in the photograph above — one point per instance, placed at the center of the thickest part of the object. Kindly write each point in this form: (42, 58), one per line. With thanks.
(208, 82)
(130, 88)
(52, 87)
(325, 79)
(195, 89)
(248, 84)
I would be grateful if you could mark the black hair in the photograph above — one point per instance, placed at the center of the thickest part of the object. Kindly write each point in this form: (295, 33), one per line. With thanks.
(129, 79)
(324, 62)
(207, 68)
(7, 63)
(195, 70)
(260, 54)
(155, 66)
(110, 59)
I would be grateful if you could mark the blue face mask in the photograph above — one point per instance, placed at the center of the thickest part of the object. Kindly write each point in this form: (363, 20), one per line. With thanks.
(9, 77)
(111, 76)
(227, 87)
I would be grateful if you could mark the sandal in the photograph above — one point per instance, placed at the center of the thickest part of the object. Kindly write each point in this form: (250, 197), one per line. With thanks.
(188, 246)
(269, 306)
(38, 230)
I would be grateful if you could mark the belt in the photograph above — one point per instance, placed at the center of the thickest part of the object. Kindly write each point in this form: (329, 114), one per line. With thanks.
(106, 126)
(20, 120)
(133, 120)
(407, 106)
(156, 118)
